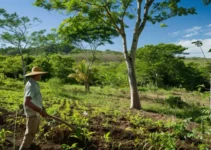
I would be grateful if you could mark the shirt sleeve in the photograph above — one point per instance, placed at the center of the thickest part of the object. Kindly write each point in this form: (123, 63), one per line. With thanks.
(29, 90)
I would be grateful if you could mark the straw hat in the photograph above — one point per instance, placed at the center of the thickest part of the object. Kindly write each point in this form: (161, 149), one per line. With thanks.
(35, 71)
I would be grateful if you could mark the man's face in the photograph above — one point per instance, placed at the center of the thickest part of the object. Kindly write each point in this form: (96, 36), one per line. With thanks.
(37, 77)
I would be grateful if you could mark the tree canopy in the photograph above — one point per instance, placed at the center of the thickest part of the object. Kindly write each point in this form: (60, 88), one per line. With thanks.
(16, 33)
(160, 65)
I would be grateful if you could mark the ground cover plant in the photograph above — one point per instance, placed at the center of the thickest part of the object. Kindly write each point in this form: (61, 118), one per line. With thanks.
(169, 119)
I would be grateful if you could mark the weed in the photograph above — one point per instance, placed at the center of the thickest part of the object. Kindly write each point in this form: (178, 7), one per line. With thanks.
(82, 134)
(162, 140)
(67, 147)
(202, 147)
(176, 102)
(3, 135)
(107, 137)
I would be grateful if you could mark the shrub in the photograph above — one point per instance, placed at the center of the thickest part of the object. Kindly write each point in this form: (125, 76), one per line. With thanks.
(176, 102)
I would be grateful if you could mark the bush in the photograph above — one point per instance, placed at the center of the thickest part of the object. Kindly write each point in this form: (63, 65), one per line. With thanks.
(176, 102)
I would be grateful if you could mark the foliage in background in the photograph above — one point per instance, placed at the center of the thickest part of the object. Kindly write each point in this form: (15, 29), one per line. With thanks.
(161, 65)
(83, 73)
(55, 85)
(113, 74)
(10, 66)
(58, 66)
(16, 33)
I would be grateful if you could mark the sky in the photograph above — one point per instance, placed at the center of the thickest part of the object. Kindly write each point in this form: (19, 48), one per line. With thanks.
(181, 30)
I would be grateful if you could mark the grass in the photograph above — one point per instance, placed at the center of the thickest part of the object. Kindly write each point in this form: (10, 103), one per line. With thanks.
(104, 111)
(110, 98)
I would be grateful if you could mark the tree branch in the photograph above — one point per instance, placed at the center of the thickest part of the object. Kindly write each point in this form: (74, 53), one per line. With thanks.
(123, 14)
(145, 17)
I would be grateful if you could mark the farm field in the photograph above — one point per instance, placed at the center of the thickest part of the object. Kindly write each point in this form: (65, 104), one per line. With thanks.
(103, 120)
(116, 75)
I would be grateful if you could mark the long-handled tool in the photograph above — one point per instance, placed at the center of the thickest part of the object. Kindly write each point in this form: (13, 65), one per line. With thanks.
(62, 121)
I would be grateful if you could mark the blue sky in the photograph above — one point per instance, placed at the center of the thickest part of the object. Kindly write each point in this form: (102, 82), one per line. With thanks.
(180, 30)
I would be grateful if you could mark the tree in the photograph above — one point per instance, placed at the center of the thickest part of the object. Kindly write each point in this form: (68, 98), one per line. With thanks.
(48, 43)
(54, 43)
(161, 65)
(16, 33)
(83, 74)
(113, 14)
(87, 36)
(11, 66)
(158, 64)
(206, 2)
(61, 66)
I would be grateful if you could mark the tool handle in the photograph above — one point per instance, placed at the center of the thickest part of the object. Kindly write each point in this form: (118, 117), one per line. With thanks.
(62, 121)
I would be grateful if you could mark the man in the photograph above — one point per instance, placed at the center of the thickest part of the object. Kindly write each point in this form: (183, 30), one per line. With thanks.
(32, 106)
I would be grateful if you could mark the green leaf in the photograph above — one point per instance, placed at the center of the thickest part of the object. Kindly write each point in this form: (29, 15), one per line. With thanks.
(163, 25)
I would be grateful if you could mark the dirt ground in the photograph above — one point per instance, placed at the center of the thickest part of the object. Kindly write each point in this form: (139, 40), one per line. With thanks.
(121, 138)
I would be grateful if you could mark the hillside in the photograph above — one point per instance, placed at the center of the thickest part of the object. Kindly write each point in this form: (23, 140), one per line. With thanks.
(102, 56)
(201, 61)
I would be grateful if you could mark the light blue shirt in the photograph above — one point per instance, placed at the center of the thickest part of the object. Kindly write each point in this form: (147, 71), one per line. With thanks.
(32, 89)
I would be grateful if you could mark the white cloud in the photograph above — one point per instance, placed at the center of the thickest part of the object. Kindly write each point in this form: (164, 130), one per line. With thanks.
(191, 34)
(209, 25)
(195, 51)
(187, 32)
(208, 33)
(193, 29)
(175, 33)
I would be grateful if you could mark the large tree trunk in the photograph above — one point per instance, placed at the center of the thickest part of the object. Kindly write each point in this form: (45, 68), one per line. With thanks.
(130, 61)
(134, 95)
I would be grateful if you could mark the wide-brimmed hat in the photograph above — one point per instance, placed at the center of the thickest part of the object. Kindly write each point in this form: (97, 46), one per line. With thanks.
(35, 71)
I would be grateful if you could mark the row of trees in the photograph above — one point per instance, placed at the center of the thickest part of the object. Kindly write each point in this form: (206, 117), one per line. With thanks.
(58, 66)
(157, 65)
(18, 38)
(161, 65)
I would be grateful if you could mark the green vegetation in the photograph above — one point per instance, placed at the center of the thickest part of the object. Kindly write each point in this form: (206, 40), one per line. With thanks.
(171, 117)
(158, 64)
(169, 94)
(170, 120)
(97, 21)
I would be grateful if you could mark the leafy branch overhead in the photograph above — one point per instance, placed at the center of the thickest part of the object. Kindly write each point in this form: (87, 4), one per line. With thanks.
(164, 10)
(94, 16)
(79, 29)
(207, 2)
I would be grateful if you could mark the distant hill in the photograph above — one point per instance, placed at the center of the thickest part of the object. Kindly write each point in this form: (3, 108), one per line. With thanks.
(101, 56)
(201, 61)
(77, 54)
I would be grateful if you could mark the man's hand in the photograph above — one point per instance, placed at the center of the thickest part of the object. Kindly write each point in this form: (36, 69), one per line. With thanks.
(43, 114)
